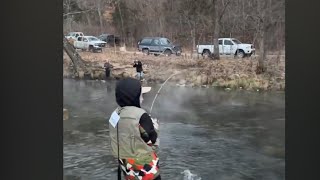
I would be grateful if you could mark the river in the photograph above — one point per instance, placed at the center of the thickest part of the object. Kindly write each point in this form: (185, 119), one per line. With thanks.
(205, 133)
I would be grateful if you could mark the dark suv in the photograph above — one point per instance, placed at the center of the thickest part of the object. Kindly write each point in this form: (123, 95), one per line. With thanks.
(110, 39)
(157, 46)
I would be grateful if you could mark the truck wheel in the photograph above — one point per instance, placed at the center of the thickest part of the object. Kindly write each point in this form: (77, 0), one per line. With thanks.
(240, 53)
(91, 49)
(145, 51)
(167, 52)
(206, 53)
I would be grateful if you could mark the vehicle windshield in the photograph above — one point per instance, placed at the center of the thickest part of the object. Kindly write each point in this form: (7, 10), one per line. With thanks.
(236, 41)
(164, 41)
(93, 39)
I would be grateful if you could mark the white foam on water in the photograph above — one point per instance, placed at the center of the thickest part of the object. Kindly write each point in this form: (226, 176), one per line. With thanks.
(189, 176)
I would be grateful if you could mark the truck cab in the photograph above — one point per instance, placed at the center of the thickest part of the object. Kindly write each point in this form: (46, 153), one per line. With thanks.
(228, 46)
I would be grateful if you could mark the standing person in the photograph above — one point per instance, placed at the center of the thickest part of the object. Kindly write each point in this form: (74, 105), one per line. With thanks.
(108, 67)
(138, 65)
(133, 133)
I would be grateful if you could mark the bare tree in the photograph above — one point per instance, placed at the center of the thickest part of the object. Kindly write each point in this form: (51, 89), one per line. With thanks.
(99, 9)
(216, 31)
(219, 10)
(267, 14)
(184, 20)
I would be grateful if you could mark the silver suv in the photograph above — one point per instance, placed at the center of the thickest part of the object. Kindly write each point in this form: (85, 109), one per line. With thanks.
(157, 46)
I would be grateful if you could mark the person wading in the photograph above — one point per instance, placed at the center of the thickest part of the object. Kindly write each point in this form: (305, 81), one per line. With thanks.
(138, 65)
(133, 133)
(108, 67)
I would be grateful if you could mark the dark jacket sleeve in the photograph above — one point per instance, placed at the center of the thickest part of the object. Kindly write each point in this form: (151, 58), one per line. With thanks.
(147, 125)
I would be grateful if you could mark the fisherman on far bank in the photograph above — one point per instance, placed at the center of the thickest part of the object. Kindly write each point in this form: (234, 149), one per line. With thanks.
(138, 65)
(108, 67)
(133, 133)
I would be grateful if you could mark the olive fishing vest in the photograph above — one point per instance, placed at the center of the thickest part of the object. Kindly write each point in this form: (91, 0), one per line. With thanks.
(131, 145)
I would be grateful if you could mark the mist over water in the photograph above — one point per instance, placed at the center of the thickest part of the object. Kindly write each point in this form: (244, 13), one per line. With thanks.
(204, 133)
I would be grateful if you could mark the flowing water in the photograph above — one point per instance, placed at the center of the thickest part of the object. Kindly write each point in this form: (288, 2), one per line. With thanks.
(205, 133)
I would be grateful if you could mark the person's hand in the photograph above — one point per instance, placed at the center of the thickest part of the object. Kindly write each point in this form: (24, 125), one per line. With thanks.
(157, 144)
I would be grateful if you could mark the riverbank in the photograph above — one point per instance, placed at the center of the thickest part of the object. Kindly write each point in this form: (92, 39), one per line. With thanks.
(225, 73)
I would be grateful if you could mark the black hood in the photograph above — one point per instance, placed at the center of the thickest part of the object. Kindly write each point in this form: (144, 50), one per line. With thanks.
(128, 92)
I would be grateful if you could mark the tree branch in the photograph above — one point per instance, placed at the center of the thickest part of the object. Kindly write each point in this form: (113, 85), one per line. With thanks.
(77, 12)
(224, 9)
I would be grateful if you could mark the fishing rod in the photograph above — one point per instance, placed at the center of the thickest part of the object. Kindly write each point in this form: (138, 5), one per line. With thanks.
(154, 99)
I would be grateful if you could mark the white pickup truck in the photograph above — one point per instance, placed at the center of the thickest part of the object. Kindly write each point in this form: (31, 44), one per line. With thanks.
(73, 35)
(89, 43)
(228, 46)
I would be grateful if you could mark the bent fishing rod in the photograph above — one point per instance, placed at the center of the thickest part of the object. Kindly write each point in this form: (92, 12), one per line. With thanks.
(154, 99)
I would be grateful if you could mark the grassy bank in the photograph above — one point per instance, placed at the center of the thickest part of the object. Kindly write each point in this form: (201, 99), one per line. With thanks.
(226, 73)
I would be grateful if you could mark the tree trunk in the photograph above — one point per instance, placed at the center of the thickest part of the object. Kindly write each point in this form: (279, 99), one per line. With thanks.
(100, 15)
(88, 19)
(216, 33)
(70, 23)
(74, 56)
(194, 38)
(200, 36)
(262, 54)
(121, 19)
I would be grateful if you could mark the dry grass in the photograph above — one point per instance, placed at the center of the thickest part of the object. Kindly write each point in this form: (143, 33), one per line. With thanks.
(228, 73)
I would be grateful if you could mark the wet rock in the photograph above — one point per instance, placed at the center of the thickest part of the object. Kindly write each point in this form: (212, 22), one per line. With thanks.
(181, 85)
(182, 82)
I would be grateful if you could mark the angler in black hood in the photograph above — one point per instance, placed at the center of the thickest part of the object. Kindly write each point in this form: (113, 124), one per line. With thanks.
(129, 97)
(128, 92)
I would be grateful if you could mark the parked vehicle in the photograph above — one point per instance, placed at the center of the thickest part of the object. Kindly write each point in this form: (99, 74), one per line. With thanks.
(89, 43)
(228, 46)
(74, 35)
(110, 39)
(157, 46)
